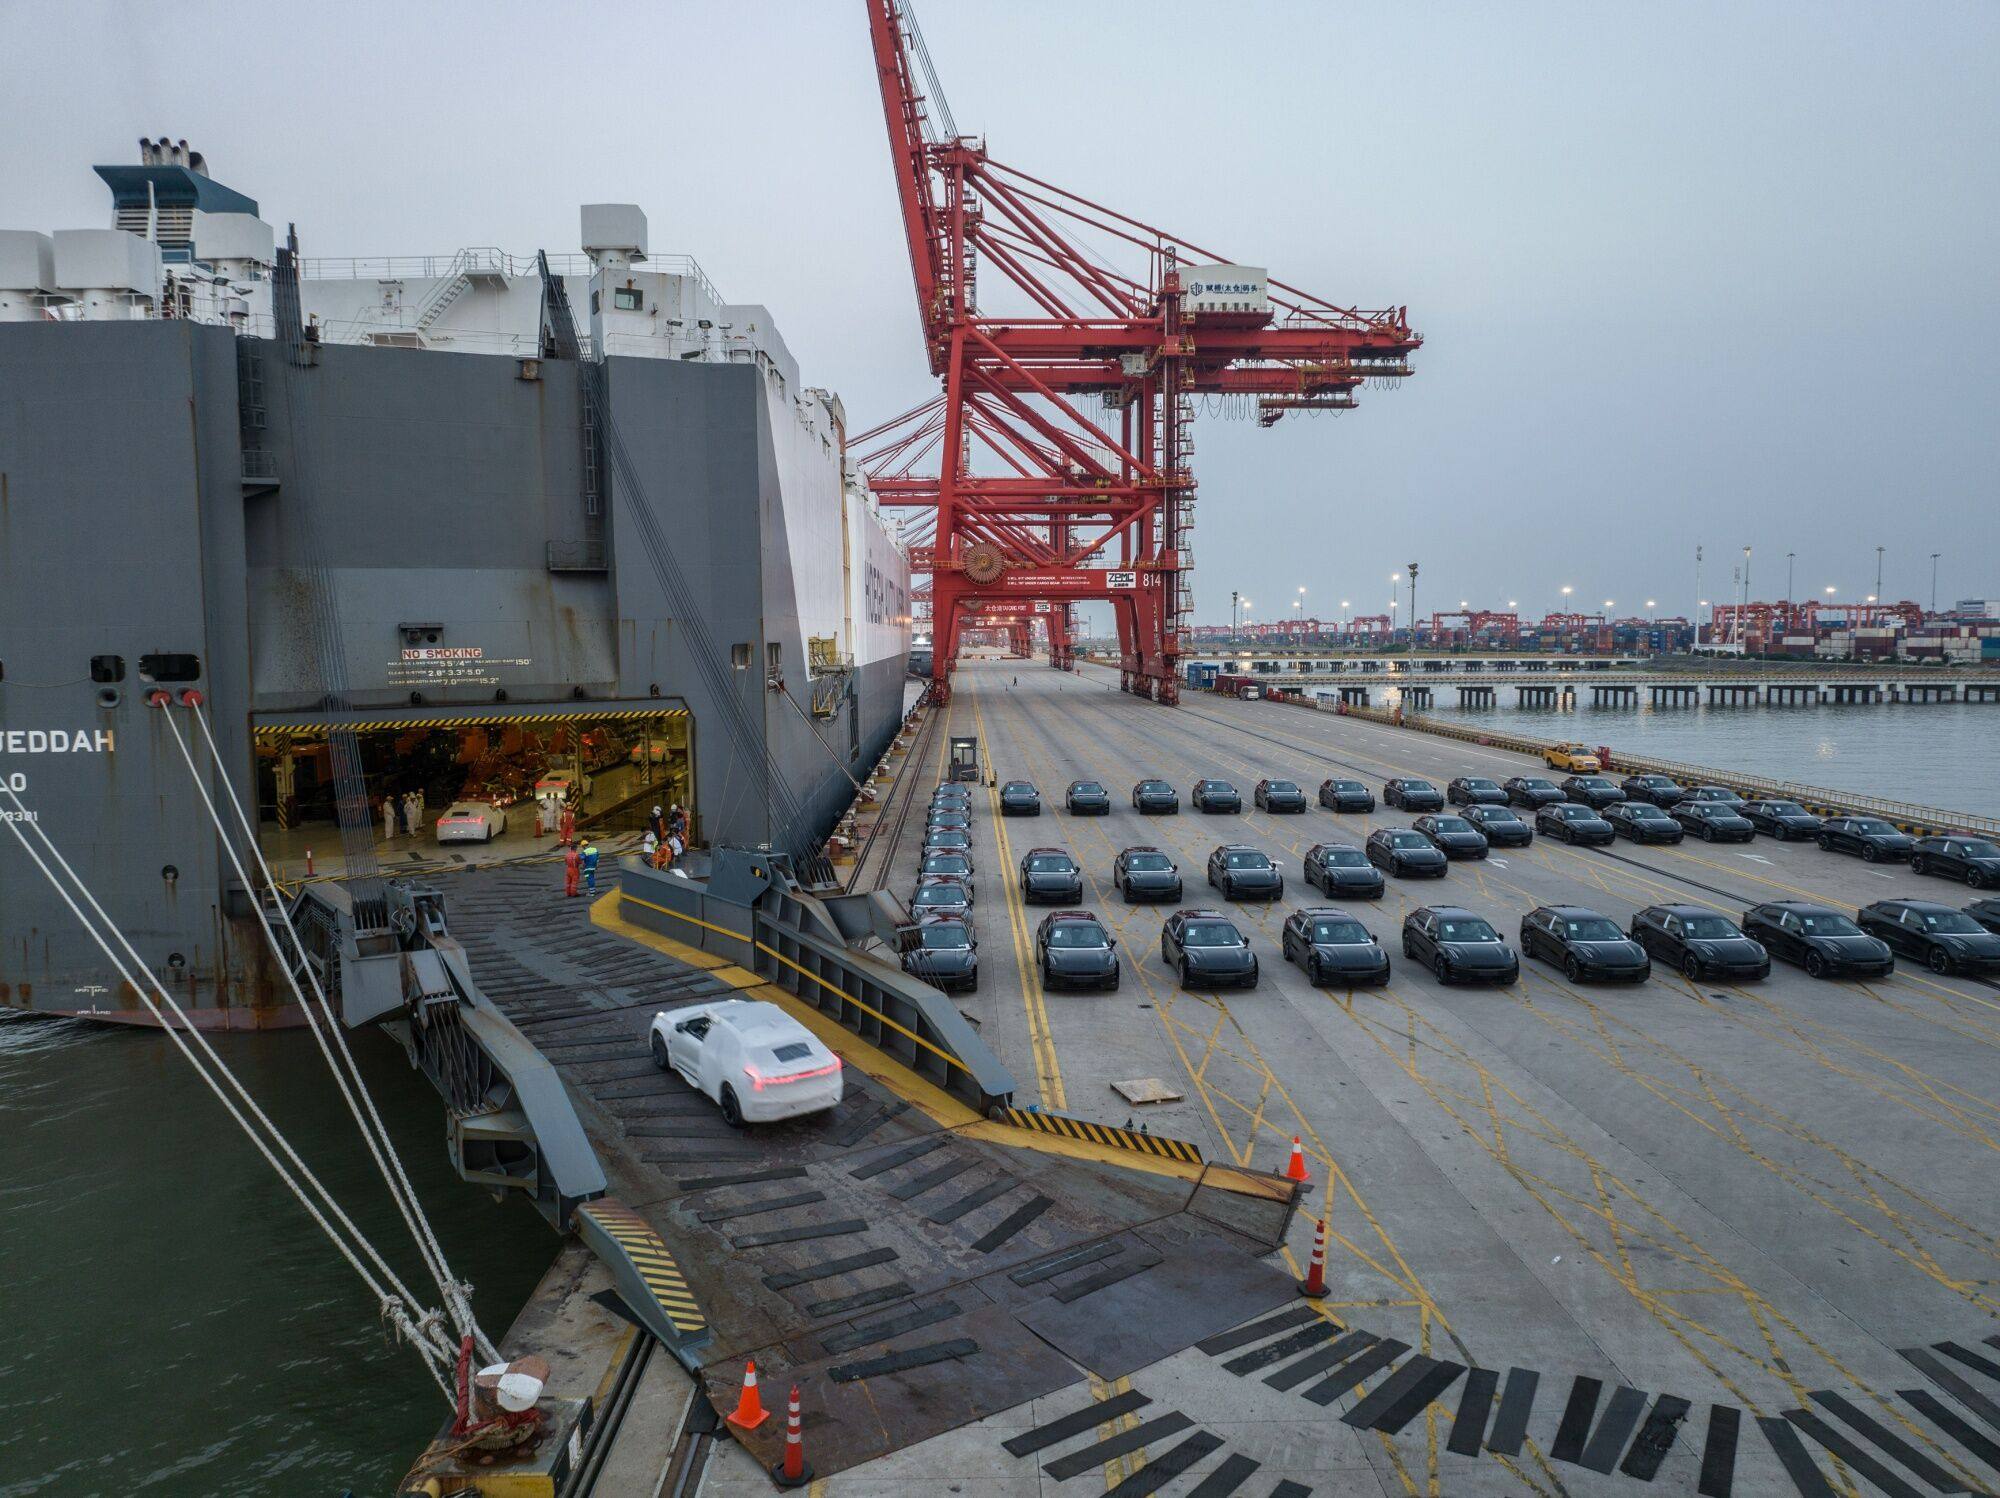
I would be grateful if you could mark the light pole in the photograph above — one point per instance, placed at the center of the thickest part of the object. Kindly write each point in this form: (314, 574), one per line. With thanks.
(1234, 599)
(1934, 557)
(1878, 570)
(1788, 575)
(1701, 603)
(1413, 613)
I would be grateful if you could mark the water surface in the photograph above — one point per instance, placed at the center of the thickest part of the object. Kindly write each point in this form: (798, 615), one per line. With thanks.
(171, 1322)
(1935, 754)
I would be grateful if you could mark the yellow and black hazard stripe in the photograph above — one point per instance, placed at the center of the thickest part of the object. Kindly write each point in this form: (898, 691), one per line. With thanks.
(1123, 1139)
(278, 732)
(631, 1236)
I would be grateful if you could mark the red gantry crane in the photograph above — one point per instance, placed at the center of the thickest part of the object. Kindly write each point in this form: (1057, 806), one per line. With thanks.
(1055, 462)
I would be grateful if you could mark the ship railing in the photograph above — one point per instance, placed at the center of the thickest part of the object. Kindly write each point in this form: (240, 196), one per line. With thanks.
(484, 260)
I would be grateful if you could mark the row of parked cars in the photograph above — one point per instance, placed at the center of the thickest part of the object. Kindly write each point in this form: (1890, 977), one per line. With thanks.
(1582, 809)
(1206, 948)
(945, 950)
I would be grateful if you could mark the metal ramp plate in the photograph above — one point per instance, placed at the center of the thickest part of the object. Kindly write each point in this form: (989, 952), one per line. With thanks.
(876, 1240)
(646, 1274)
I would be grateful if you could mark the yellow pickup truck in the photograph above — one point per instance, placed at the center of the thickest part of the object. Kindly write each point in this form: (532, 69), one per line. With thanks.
(1578, 759)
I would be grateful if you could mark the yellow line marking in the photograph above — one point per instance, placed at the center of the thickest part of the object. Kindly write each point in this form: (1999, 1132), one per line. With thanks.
(1048, 1070)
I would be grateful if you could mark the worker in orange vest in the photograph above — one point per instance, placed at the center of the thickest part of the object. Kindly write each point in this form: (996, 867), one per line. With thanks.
(572, 869)
(568, 823)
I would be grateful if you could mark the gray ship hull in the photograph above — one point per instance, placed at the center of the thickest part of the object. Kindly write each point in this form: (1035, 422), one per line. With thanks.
(183, 510)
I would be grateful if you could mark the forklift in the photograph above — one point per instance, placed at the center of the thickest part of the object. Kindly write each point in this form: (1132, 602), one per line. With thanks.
(964, 762)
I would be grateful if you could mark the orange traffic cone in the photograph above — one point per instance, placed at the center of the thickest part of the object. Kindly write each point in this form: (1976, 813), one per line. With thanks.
(792, 1472)
(749, 1412)
(1295, 1168)
(1315, 1280)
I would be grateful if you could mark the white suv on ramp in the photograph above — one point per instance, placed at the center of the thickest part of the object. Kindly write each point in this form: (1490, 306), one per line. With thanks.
(753, 1060)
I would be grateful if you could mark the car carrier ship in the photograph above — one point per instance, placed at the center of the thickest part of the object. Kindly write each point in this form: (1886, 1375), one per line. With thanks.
(525, 525)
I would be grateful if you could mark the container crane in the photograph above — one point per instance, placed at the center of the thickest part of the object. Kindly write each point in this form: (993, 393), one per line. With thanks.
(1023, 493)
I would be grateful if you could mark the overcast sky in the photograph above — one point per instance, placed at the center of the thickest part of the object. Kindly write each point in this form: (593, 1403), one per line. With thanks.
(1721, 273)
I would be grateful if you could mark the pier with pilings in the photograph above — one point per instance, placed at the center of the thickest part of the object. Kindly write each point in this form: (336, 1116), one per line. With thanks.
(1560, 684)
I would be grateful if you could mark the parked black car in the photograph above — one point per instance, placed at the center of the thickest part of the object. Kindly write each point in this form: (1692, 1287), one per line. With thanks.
(1475, 790)
(1699, 942)
(1019, 798)
(952, 864)
(939, 895)
(1458, 946)
(956, 838)
(1714, 793)
(1819, 939)
(1986, 912)
(1875, 840)
(1406, 853)
(1346, 795)
(946, 955)
(1661, 790)
(1502, 826)
(1643, 822)
(1714, 821)
(1278, 796)
(1593, 791)
(1342, 869)
(1532, 791)
(949, 816)
(1782, 820)
(1150, 796)
(1455, 837)
(1242, 872)
(1943, 939)
(1215, 795)
(1050, 874)
(1332, 946)
(1086, 798)
(1573, 823)
(1204, 947)
(1146, 874)
(1412, 795)
(1976, 860)
(1072, 947)
(1583, 944)
(958, 797)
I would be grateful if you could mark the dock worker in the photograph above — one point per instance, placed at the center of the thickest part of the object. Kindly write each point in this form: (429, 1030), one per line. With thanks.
(656, 825)
(590, 867)
(572, 869)
(650, 847)
(677, 821)
(388, 817)
(413, 810)
(566, 822)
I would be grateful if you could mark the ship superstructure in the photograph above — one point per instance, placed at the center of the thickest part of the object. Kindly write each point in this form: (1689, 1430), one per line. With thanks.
(408, 509)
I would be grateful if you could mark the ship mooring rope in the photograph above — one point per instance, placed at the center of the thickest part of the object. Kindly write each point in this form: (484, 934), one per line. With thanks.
(353, 1089)
(422, 1328)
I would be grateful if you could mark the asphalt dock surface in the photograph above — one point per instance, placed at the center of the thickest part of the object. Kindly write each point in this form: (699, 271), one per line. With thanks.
(1685, 1208)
